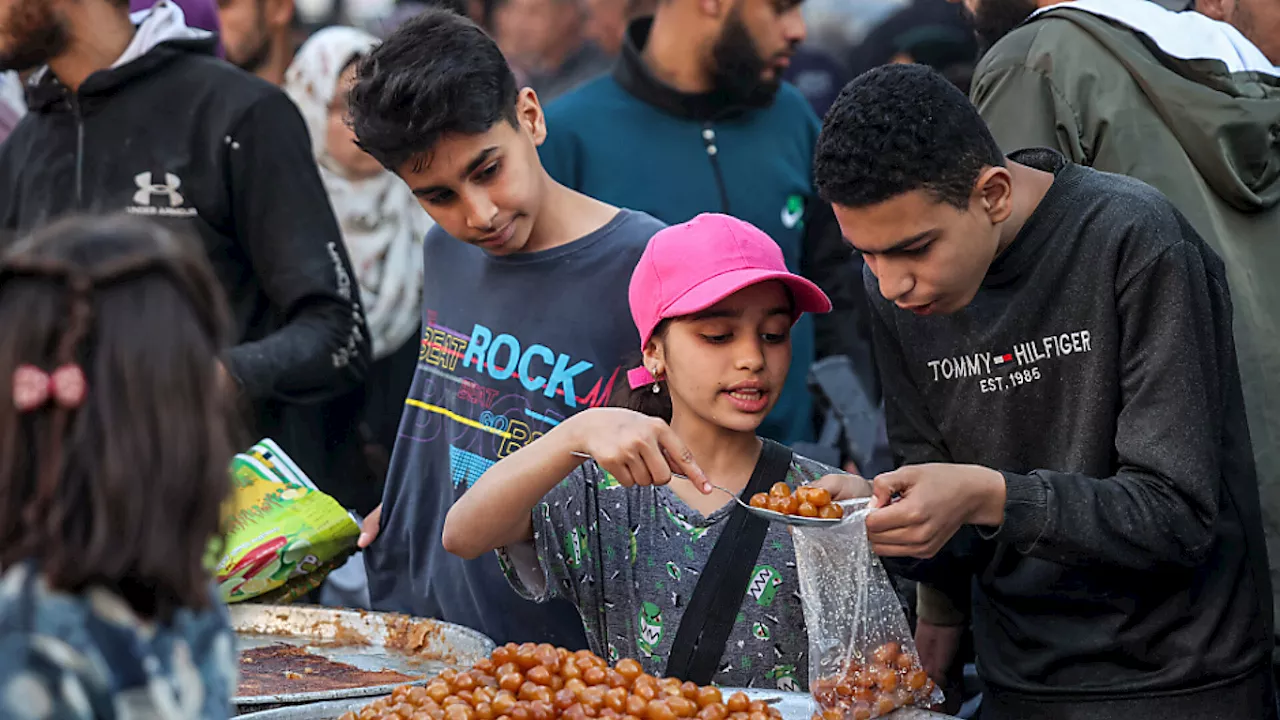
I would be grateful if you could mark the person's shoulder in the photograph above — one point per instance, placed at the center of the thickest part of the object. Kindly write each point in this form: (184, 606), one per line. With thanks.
(1131, 218)
(1037, 43)
(1125, 198)
(437, 237)
(235, 87)
(790, 116)
(790, 100)
(584, 103)
(635, 227)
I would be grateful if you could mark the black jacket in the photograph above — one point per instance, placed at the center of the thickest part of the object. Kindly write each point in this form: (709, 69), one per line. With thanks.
(182, 137)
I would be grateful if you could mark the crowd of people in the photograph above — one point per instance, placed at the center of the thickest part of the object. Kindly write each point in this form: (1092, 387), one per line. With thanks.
(999, 265)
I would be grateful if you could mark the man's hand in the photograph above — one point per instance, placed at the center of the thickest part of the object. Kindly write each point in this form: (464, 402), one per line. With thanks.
(937, 646)
(370, 527)
(843, 487)
(918, 508)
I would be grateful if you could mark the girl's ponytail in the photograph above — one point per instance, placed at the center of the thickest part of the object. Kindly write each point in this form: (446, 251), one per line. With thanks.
(644, 399)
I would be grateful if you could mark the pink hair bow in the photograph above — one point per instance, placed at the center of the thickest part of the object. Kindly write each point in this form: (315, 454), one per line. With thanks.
(33, 387)
(638, 377)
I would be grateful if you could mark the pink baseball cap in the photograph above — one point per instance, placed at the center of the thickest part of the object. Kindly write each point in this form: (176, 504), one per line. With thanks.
(689, 267)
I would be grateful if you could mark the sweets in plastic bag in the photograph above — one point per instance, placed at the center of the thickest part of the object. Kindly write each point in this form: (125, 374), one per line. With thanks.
(862, 659)
(282, 535)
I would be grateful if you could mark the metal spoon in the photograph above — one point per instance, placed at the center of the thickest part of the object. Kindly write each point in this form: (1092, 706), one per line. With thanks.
(769, 515)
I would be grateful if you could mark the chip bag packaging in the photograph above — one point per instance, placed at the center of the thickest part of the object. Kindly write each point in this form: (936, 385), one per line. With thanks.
(282, 535)
(862, 659)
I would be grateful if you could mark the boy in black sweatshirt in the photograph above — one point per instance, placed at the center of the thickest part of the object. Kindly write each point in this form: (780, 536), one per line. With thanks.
(1062, 395)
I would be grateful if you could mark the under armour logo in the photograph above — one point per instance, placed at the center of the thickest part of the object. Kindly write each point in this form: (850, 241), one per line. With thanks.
(146, 189)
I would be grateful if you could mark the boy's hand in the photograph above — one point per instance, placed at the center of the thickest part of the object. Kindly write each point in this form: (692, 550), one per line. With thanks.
(843, 487)
(635, 448)
(919, 507)
(370, 527)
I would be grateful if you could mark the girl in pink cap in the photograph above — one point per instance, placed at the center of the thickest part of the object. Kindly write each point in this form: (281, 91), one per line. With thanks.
(636, 549)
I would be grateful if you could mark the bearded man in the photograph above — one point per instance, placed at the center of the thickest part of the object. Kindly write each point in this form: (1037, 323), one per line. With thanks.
(1187, 104)
(143, 119)
(694, 118)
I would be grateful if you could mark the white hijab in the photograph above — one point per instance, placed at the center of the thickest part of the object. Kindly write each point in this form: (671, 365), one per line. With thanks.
(382, 223)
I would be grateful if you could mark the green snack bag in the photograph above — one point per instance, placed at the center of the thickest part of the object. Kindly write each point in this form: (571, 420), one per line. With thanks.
(277, 530)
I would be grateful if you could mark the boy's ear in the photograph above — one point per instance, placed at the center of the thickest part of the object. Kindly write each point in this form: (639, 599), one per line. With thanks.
(994, 194)
(529, 115)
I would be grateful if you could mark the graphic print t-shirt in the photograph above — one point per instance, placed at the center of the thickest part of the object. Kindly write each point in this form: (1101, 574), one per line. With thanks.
(629, 559)
(511, 346)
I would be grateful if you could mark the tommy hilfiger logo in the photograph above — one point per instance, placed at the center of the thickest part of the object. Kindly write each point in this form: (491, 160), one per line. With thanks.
(170, 201)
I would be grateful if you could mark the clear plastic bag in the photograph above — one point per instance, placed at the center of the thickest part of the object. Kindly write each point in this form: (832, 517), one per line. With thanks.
(862, 659)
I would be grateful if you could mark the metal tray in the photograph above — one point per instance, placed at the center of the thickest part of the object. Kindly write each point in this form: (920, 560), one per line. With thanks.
(794, 706)
(367, 640)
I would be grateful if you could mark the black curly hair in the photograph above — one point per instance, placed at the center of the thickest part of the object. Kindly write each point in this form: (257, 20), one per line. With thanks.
(438, 73)
(899, 128)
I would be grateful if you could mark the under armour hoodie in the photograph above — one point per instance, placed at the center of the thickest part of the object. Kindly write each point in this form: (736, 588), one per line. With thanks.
(171, 133)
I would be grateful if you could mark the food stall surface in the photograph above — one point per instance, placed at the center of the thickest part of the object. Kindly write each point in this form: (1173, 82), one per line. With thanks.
(794, 706)
(294, 654)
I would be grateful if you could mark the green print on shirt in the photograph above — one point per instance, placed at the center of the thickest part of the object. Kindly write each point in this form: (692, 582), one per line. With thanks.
(650, 626)
(785, 677)
(674, 571)
(631, 550)
(764, 585)
(576, 549)
(613, 654)
(695, 532)
(608, 481)
(793, 212)
(760, 631)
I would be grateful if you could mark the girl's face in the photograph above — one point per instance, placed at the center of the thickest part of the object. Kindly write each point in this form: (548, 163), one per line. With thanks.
(340, 140)
(726, 365)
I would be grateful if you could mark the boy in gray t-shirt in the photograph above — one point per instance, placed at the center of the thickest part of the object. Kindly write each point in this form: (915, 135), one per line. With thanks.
(524, 311)
(648, 545)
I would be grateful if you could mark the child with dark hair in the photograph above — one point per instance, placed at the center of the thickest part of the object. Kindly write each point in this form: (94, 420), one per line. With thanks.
(1056, 350)
(525, 282)
(714, 304)
(115, 439)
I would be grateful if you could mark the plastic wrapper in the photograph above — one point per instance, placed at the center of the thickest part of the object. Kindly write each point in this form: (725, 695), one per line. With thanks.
(862, 659)
(282, 535)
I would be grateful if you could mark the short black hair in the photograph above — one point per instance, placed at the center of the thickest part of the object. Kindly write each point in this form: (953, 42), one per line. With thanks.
(438, 73)
(899, 128)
